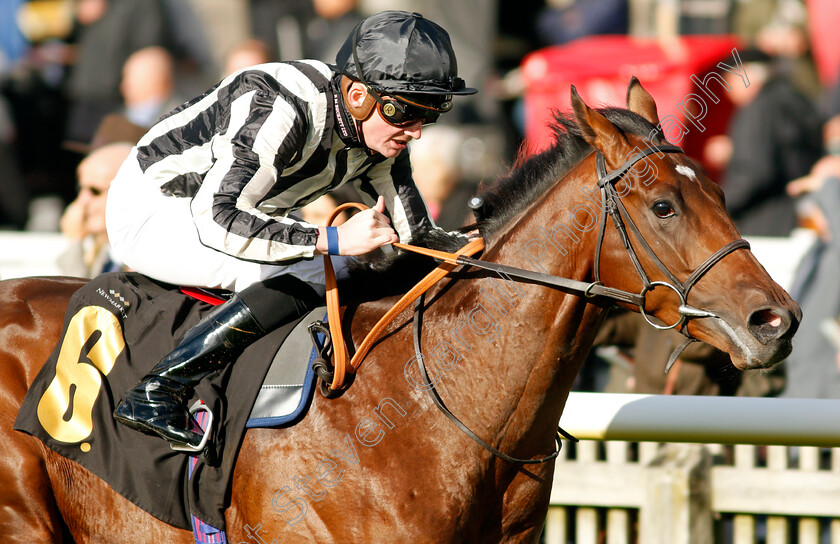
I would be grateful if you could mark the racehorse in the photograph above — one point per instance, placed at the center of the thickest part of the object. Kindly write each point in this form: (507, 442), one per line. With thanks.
(381, 463)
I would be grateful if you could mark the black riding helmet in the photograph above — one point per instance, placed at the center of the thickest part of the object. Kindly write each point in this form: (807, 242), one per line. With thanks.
(396, 52)
(405, 56)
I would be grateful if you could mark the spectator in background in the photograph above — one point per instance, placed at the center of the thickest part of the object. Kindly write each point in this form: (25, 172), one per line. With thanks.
(148, 85)
(109, 31)
(14, 194)
(194, 41)
(13, 44)
(780, 29)
(333, 19)
(32, 35)
(279, 25)
(83, 222)
(250, 52)
(668, 19)
(304, 29)
(831, 136)
(774, 137)
(562, 21)
(787, 42)
(812, 368)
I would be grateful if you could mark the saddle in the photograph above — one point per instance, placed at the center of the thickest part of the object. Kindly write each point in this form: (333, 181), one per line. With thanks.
(286, 390)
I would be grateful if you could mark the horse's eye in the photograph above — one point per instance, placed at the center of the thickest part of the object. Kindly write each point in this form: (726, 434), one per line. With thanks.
(663, 209)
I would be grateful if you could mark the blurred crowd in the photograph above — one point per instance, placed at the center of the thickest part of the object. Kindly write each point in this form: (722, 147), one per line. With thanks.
(80, 81)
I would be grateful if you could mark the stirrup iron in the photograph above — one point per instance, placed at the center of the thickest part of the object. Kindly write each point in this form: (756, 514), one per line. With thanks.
(199, 406)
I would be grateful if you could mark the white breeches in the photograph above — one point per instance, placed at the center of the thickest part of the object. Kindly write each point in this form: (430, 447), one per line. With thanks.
(154, 234)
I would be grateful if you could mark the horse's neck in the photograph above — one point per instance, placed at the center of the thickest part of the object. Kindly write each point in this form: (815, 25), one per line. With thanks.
(519, 346)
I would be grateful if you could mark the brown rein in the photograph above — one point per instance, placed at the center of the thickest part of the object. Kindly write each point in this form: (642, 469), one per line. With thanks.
(344, 366)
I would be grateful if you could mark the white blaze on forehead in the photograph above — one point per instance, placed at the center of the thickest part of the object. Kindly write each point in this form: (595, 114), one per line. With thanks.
(687, 172)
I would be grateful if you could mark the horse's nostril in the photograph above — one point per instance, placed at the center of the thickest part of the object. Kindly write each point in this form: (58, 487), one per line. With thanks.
(765, 317)
(768, 324)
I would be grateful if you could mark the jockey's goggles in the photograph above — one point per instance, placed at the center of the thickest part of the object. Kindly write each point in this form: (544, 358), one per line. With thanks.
(399, 111)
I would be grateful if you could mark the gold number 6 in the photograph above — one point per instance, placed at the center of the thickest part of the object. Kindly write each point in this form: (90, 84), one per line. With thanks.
(64, 414)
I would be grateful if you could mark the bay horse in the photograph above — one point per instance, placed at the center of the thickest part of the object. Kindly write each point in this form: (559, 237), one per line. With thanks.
(381, 463)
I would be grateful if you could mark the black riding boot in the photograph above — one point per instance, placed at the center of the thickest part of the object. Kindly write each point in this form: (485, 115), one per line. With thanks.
(158, 404)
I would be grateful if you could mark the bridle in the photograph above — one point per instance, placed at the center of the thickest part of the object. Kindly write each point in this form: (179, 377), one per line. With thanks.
(610, 205)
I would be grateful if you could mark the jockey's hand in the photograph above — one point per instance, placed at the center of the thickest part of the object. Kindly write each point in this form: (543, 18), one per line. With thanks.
(362, 233)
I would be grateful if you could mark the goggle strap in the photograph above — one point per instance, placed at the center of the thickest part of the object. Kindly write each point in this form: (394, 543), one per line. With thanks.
(423, 106)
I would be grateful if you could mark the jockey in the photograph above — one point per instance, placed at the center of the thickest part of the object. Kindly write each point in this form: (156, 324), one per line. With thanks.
(204, 198)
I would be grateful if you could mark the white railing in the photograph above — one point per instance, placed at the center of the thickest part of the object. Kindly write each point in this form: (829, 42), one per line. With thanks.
(684, 418)
(656, 491)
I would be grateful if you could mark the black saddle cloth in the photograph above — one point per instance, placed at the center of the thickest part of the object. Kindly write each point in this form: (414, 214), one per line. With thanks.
(116, 329)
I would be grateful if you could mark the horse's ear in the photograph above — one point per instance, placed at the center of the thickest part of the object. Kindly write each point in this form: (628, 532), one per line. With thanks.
(640, 101)
(596, 129)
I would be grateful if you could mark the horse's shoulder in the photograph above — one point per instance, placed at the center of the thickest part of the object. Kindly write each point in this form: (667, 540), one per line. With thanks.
(361, 316)
(31, 315)
(36, 295)
(36, 287)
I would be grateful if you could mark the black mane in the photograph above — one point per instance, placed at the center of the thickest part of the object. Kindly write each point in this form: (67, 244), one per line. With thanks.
(532, 176)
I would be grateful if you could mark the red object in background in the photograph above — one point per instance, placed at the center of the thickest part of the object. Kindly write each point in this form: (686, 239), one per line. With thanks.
(823, 16)
(600, 67)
